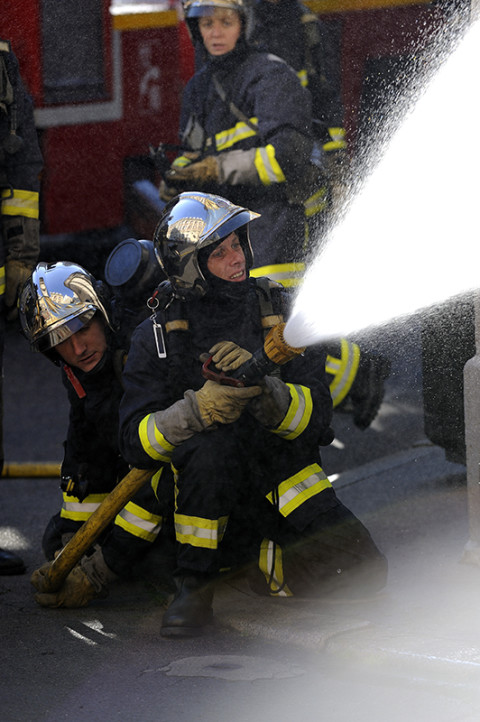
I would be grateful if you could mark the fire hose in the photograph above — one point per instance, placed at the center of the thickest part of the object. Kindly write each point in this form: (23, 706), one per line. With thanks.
(73, 551)
(275, 352)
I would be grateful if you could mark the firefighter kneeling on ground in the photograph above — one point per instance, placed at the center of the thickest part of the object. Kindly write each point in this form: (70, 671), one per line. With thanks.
(245, 462)
(73, 320)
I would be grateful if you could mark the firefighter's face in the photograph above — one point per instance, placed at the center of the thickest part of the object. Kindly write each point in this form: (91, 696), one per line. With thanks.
(85, 348)
(220, 30)
(227, 260)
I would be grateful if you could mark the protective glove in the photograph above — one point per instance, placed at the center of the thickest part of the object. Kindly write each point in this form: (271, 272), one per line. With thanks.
(88, 580)
(201, 173)
(76, 591)
(219, 404)
(166, 192)
(228, 356)
(336, 170)
(16, 273)
(270, 408)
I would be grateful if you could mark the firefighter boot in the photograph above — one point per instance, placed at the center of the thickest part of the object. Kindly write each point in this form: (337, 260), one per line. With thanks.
(190, 609)
(368, 388)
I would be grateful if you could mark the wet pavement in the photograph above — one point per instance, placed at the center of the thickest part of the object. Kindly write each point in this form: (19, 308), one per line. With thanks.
(411, 653)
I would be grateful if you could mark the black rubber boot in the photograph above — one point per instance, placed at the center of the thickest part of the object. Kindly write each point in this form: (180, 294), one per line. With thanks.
(10, 563)
(190, 609)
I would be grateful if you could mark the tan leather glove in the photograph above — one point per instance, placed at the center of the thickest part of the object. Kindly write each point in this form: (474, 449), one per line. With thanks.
(219, 404)
(228, 356)
(203, 172)
(336, 168)
(16, 273)
(166, 193)
(89, 580)
(76, 591)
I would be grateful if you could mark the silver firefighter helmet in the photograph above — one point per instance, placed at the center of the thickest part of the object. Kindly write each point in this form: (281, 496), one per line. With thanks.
(57, 301)
(194, 9)
(191, 222)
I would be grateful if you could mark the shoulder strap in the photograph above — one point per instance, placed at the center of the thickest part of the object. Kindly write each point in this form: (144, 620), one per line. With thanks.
(264, 288)
(231, 105)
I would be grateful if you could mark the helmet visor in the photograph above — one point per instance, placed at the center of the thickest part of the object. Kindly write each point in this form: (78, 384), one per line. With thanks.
(60, 332)
(201, 8)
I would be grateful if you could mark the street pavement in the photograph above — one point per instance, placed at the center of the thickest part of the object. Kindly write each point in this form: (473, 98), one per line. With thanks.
(411, 653)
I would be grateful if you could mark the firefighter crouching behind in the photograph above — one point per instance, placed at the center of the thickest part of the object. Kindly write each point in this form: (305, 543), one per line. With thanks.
(244, 462)
(20, 166)
(67, 315)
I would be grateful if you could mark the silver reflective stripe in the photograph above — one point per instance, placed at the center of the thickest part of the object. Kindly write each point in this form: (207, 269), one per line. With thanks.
(152, 527)
(198, 532)
(73, 507)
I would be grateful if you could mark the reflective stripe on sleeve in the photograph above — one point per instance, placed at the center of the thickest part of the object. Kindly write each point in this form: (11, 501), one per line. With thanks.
(267, 166)
(316, 203)
(20, 203)
(139, 522)
(293, 492)
(227, 138)
(343, 370)
(199, 532)
(288, 274)
(270, 563)
(77, 510)
(153, 441)
(2, 280)
(337, 139)
(298, 415)
(302, 75)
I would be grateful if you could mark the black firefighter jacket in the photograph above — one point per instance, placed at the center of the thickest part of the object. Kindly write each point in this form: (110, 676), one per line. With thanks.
(264, 154)
(152, 384)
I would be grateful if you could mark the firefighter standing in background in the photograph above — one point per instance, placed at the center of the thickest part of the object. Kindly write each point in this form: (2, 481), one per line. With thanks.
(247, 123)
(292, 31)
(20, 166)
(288, 28)
(245, 462)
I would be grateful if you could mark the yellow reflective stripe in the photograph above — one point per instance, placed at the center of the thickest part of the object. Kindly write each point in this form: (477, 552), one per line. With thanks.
(77, 510)
(343, 370)
(153, 441)
(2, 280)
(240, 131)
(337, 141)
(154, 481)
(316, 203)
(293, 492)
(303, 77)
(272, 568)
(139, 522)
(267, 166)
(20, 203)
(288, 274)
(181, 161)
(199, 532)
(298, 415)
